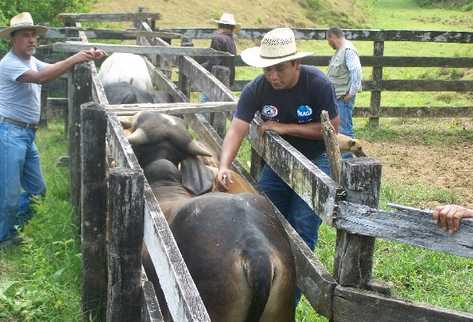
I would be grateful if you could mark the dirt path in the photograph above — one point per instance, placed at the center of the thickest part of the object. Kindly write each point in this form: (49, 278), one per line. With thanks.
(448, 167)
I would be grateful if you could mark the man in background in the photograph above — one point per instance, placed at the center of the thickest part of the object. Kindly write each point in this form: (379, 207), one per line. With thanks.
(223, 40)
(344, 71)
(21, 76)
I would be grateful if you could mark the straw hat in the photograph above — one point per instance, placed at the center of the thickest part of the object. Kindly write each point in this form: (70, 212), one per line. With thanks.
(228, 19)
(19, 22)
(277, 46)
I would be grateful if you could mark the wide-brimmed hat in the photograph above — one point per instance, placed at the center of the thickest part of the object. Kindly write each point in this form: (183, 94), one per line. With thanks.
(277, 46)
(229, 20)
(19, 22)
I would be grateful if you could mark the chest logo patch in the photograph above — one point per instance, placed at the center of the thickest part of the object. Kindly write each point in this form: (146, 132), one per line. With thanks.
(304, 114)
(269, 111)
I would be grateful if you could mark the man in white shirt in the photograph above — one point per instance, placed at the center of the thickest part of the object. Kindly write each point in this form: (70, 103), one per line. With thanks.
(21, 76)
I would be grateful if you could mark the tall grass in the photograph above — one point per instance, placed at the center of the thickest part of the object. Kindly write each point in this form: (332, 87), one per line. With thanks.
(39, 280)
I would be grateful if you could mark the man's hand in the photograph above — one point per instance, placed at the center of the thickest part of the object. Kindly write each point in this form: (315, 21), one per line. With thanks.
(272, 126)
(88, 55)
(347, 97)
(224, 178)
(448, 217)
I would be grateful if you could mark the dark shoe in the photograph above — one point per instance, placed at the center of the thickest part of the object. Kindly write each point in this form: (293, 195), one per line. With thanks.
(13, 241)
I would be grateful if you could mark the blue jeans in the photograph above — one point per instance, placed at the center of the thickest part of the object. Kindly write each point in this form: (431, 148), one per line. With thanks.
(20, 176)
(345, 111)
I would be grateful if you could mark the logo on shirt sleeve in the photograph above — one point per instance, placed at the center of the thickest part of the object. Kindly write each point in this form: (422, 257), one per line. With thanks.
(304, 114)
(269, 112)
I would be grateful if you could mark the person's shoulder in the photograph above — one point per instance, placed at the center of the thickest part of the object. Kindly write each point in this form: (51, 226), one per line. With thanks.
(256, 85)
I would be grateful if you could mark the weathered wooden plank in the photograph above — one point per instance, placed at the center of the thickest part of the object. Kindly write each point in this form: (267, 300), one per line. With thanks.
(352, 34)
(391, 61)
(426, 85)
(219, 120)
(179, 289)
(318, 190)
(81, 94)
(163, 83)
(313, 279)
(73, 47)
(164, 63)
(358, 305)
(117, 16)
(43, 120)
(93, 210)
(61, 33)
(353, 263)
(377, 77)
(422, 111)
(126, 209)
(411, 227)
(400, 85)
(172, 108)
(150, 311)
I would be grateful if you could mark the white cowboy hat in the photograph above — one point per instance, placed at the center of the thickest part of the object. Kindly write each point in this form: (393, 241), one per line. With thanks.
(277, 46)
(228, 19)
(19, 22)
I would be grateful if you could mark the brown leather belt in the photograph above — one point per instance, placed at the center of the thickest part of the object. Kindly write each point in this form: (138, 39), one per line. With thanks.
(18, 123)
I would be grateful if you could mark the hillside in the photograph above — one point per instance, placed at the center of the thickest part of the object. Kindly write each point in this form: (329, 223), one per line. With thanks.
(299, 13)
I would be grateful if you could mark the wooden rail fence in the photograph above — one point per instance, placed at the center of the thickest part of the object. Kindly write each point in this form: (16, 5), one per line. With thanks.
(110, 172)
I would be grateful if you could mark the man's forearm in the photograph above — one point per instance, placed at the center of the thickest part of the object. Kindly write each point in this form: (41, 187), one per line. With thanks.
(230, 148)
(55, 70)
(231, 143)
(312, 131)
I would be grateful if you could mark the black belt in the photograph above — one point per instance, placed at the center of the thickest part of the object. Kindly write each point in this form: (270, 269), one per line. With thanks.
(18, 123)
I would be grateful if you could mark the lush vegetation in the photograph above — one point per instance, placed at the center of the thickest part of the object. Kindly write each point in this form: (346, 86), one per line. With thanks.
(40, 280)
(43, 12)
(461, 4)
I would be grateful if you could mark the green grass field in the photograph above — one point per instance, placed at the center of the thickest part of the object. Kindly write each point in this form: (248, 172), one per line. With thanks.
(40, 280)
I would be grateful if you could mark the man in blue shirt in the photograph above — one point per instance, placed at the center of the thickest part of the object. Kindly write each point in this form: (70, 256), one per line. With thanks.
(21, 76)
(290, 98)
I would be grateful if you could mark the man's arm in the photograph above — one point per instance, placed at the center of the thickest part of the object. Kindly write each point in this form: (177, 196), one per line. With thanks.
(53, 71)
(354, 67)
(448, 217)
(311, 131)
(231, 144)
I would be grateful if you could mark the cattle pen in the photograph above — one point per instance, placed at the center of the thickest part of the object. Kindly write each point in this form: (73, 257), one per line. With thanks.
(118, 212)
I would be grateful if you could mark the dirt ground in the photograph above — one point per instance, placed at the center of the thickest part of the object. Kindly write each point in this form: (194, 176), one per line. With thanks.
(448, 167)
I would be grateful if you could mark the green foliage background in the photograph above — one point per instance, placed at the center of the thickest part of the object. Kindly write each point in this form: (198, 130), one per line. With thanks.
(43, 11)
(459, 4)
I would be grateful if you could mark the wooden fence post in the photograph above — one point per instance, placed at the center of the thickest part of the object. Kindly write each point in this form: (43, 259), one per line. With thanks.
(361, 178)
(81, 93)
(93, 210)
(219, 120)
(377, 75)
(126, 209)
(183, 82)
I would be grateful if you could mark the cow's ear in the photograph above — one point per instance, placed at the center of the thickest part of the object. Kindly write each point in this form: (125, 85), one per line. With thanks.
(196, 176)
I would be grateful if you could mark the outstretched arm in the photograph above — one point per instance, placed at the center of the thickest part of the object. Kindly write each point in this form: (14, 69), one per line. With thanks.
(55, 70)
(311, 131)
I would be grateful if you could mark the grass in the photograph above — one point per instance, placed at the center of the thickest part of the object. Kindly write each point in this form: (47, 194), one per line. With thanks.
(39, 281)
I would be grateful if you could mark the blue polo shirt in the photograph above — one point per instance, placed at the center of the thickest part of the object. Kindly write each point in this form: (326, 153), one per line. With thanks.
(19, 101)
(301, 104)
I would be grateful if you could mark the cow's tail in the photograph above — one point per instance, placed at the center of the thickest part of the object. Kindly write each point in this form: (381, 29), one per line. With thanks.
(259, 272)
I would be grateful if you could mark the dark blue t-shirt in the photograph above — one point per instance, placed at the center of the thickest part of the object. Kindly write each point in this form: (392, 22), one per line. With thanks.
(301, 104)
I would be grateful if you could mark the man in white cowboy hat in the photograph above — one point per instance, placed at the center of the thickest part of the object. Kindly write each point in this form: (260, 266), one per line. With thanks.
(21, 76)
(290, 98)
(223, 40)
